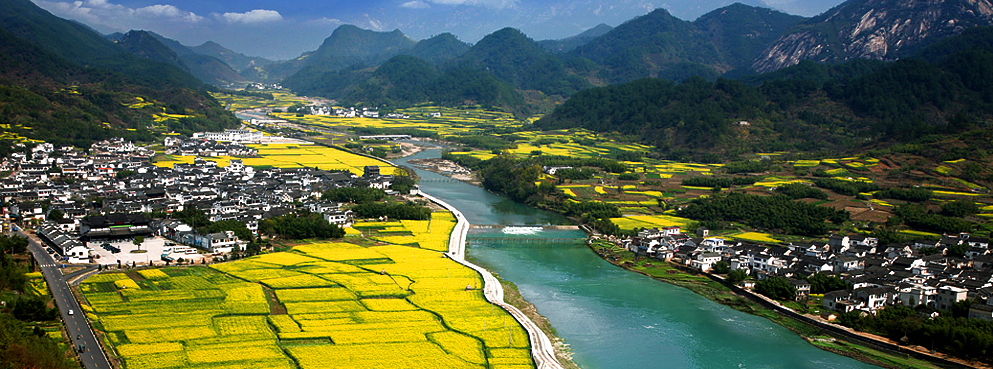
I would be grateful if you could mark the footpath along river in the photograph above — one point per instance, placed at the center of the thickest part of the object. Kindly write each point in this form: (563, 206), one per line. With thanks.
(610, 317)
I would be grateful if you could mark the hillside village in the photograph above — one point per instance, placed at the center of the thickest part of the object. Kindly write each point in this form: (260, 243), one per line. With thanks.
(104, 195)
(922, 272)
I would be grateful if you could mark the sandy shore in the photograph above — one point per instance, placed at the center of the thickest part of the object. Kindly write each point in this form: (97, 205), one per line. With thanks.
(445, 167)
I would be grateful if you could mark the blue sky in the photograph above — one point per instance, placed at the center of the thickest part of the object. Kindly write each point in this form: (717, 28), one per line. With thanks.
(285, 29)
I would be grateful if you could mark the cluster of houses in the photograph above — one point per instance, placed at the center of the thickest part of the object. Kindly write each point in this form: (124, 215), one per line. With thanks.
(879, 275)
(206, 147)
(339, 112)
(96, 203)
(231, 135)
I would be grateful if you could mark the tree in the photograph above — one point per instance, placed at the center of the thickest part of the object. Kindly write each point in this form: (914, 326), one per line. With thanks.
(138, 241)
(55, 214)
(736, 276)
(721, 267)
(823, 283)
(402, 183)
(776, 288)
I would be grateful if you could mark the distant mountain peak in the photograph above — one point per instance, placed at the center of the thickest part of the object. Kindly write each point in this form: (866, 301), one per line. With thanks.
(572, 42)
(439, 48)
(146, 45)
(874, 29)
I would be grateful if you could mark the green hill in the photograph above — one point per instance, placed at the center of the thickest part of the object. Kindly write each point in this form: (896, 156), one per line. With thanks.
(661, 45)
(516, 59)
(103, 93)
(439, 49)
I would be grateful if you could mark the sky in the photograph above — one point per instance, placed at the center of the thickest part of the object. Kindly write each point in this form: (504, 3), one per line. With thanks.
(283, 30)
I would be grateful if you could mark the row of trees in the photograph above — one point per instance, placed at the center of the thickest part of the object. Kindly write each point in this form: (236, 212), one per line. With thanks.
(919, 217)
(801, 191)
(775, 212)
(722, 182)
(955, 335)
(300, 226)
(357, 195)
(394, 210)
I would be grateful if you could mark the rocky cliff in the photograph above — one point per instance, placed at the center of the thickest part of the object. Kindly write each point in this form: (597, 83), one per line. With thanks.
(873, 29)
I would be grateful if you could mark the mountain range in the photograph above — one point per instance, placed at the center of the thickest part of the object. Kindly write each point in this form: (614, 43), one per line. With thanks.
(733, 41)
(508, 69)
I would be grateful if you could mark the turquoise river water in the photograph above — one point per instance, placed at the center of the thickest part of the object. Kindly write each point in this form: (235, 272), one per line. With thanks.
(610, 317)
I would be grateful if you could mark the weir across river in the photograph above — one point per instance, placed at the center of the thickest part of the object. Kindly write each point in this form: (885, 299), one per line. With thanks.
(522, 240)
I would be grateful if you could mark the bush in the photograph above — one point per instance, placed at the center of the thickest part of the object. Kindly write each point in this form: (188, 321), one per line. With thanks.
(628, 177)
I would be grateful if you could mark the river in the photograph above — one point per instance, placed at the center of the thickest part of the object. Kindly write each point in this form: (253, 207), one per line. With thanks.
(610, 317)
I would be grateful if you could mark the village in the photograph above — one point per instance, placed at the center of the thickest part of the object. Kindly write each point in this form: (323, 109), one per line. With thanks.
(93, 208)
(877, 275)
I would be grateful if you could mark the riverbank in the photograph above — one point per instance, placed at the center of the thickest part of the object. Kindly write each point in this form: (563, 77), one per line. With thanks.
(543, 352)
(702, 285)
(513, 296)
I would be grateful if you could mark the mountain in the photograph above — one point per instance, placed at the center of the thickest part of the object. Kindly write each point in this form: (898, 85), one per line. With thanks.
(70, 40)
(814, 108)
(116, 36)
(235, 60)
(207, 68)
(438, 49)
(570, 43)
(873, 29)
(516, 59)
(45, 97)
(739, 32)
(348, 45)
(66, 84)
(80, 45)
(659, 44)
(143, 44)
(406, 80)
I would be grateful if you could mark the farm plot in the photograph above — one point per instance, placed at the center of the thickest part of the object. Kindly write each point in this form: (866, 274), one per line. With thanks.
(346, 306)
(295, 156)
(651, 221)
(191, 317)
(427, 234)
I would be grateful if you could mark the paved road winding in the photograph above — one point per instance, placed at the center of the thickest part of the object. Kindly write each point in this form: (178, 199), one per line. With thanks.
(541, 347)
(76, 324)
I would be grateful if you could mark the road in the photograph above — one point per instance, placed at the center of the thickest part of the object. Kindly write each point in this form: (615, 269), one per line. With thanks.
(77, 327)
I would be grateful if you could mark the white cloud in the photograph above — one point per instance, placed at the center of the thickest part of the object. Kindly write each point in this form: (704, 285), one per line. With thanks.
(167, 11)
(416, 4)
(252, 17)
(116, 16)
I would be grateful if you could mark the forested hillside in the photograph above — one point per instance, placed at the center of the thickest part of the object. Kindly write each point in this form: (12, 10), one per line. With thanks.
(106, 92)
(835, 108)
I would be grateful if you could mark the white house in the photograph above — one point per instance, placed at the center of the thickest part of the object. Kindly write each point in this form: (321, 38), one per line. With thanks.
(705, 261)
(948, 295)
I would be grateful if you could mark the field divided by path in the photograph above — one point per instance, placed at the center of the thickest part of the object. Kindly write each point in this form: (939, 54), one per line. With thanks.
(321, 305)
